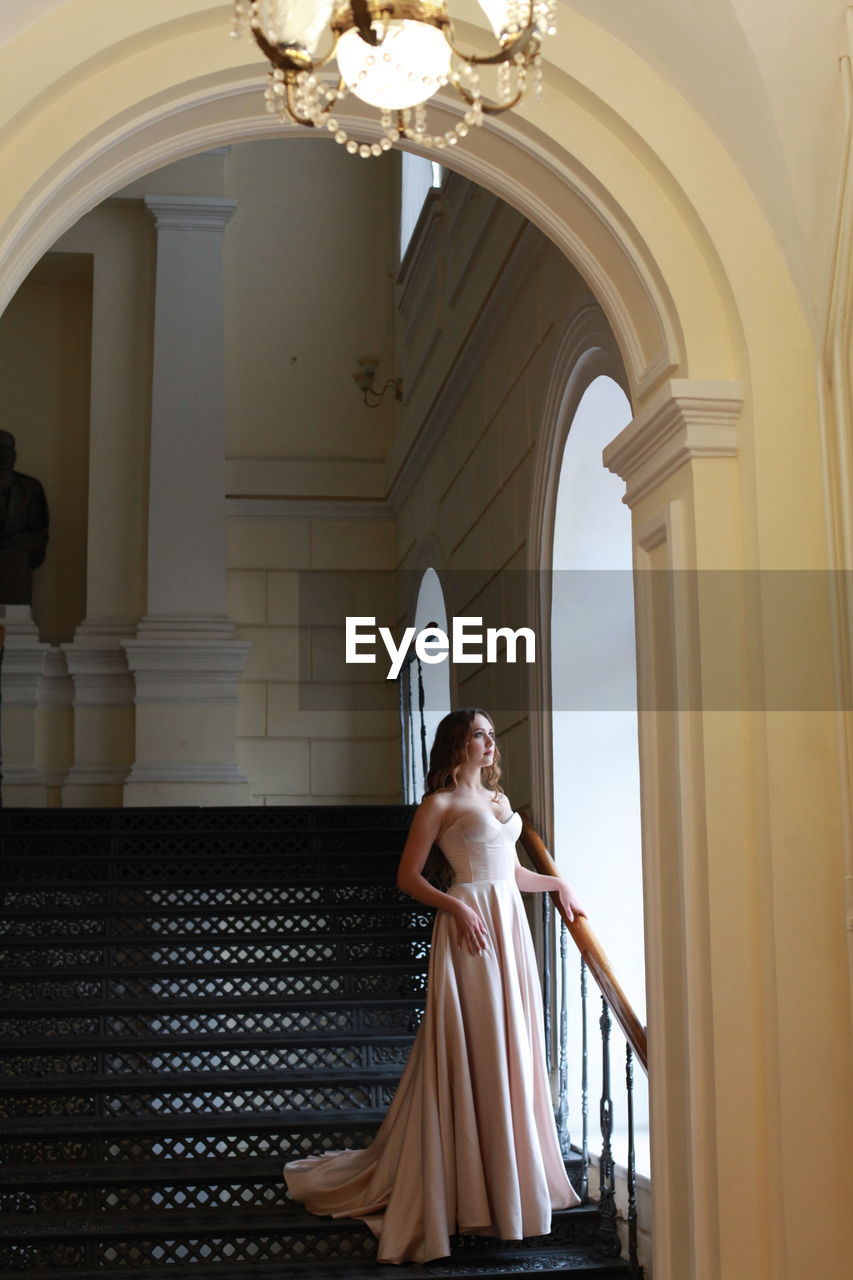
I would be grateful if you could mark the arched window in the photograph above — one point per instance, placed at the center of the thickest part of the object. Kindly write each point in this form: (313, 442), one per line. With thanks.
(425, 691)
(596, 760)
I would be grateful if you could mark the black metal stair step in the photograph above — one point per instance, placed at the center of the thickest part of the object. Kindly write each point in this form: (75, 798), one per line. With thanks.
(314, 1098)
(127, 1241)
(151, 1172)
(153, 914)
(183, 1081)
(174, 1186)
(288, 1218)
(135, 865)
(111, 1018)
(197, 1171)
(296, 888)
(170, 819)
(513, 1265)
(103, 1006)
(356, 981)
(80, 1039)
(203, 968)
(333, 842)
(322, 944)
(122, 873)
(322, 941)
(218, 1122)
(156, 914)
(113, 1046)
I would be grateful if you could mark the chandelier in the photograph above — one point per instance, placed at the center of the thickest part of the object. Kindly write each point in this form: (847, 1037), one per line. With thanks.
(393, 55)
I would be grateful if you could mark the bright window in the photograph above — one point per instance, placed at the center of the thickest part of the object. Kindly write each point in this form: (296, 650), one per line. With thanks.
(419, 177)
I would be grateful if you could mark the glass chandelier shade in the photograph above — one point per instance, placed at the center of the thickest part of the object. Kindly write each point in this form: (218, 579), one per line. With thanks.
(410, 63)
(297, 24)
(393, 55)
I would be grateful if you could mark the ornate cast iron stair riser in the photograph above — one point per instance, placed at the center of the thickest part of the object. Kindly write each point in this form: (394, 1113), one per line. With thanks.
(188, 998)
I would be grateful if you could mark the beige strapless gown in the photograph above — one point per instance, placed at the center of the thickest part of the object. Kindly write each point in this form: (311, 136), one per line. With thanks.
(469, 1143)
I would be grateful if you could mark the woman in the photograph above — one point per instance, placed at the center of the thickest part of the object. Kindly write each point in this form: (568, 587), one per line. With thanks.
(469, 1144)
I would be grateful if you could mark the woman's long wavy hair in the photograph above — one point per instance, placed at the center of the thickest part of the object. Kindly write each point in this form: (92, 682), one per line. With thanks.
(448, 755)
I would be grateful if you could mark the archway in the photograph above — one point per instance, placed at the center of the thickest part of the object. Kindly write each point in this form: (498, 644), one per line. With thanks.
(700, 299)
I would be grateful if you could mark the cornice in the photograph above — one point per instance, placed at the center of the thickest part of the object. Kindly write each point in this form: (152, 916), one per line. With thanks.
(326, 508)
(190, 213)
(685, 419)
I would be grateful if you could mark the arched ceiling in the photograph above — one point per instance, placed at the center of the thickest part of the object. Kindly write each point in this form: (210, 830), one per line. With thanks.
(762, 73)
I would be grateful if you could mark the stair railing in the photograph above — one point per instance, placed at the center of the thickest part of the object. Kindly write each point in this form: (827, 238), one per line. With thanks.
(613, 1001)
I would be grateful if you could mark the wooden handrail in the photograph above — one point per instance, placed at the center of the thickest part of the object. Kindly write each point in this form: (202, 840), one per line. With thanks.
(590, 948)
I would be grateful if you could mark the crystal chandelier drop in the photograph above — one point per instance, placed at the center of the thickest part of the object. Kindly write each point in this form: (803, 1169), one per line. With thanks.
(393, 55)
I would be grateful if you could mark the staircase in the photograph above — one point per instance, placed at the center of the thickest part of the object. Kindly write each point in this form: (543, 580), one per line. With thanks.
(189, 998)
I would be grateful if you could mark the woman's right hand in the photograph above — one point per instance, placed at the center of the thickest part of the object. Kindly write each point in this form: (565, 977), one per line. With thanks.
(471, 931)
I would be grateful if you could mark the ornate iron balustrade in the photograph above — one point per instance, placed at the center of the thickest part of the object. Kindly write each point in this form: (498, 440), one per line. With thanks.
(593, 959)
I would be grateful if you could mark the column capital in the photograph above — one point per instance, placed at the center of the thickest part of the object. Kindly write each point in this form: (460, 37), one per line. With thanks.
(682, 420)
(190, 213)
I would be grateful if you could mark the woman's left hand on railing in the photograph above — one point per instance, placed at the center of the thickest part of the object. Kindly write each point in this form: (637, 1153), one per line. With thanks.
(569, 900)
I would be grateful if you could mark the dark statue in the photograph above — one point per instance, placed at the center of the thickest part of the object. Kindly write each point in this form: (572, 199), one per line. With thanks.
(23, 526)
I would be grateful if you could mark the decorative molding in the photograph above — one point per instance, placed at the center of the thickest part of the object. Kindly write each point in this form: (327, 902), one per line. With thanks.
(100, 674)
(21, 630)
(423, 235)
(587, 350)
(461, 265)
(82, 776)
(458, 194)
(185, 670)
(23, 674)
(190, 213)
(182, 630)
(23, 775)
(183, 773)
(56, 688)
(518, 266)
(101, 632)
(684, 420)
(309, 508)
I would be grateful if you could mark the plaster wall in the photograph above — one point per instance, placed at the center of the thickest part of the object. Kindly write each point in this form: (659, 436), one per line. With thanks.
(482, 299)
(308, 265)
(302, 737)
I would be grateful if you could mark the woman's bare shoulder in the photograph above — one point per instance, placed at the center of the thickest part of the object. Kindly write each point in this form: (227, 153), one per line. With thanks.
(436, 803)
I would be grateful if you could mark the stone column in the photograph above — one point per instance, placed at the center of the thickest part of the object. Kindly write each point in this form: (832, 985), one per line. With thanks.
(184, 658)
(122, 329)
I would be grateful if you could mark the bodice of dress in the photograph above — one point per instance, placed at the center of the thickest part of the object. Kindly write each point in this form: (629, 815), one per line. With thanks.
(479, 847)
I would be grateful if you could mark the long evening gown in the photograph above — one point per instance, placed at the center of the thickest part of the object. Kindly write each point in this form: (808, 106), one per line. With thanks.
(469, 1143)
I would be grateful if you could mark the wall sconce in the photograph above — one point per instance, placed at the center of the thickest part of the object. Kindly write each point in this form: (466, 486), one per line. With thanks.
(363, 377)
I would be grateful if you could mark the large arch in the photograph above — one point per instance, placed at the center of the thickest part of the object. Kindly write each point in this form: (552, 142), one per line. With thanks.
(720, 361)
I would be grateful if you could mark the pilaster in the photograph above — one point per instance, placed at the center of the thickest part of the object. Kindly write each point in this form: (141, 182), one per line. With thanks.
(679, 460)
(103, 714)
(184, 658)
